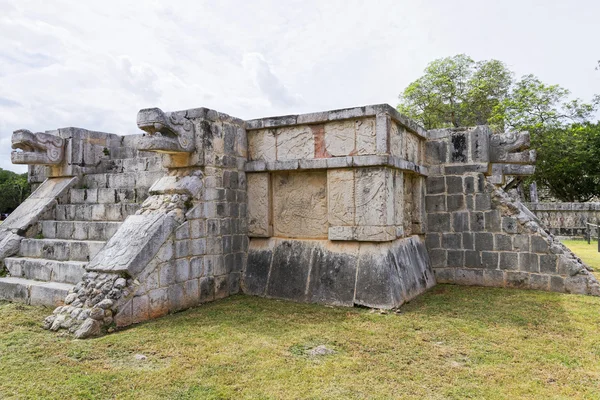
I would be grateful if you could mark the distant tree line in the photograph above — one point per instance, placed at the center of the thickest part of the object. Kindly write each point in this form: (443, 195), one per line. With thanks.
(14, 189)
(458, 91)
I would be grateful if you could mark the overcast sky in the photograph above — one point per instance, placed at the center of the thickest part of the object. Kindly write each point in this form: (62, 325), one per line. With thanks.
(95, 64)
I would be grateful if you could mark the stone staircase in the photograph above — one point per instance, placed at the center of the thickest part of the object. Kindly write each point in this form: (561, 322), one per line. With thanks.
(51, 262)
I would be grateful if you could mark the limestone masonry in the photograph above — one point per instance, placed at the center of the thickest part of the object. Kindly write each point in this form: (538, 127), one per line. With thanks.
(348, 207)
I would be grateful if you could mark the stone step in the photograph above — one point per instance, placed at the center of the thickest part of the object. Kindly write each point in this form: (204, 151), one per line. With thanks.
(106, 196)
(136, 164)
(78, 230)
(60, 249)
(95, 212)
(36, 293)
(45, 270)
(125, 180)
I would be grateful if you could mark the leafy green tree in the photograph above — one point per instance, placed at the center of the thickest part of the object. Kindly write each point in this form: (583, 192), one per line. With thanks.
(14, 189)
(535, 106)
(567, 161)
(456, 91)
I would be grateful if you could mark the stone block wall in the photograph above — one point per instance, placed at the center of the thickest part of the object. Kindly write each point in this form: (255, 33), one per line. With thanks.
(566, 219)
(321, 184)
(478, 235)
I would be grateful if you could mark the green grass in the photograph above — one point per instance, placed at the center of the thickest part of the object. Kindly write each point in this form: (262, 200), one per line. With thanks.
(453, 342)
(587, 252)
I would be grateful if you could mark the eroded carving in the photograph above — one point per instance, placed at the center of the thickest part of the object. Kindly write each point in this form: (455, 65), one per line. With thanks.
(511, 147)
(37, 148)
(168, 132)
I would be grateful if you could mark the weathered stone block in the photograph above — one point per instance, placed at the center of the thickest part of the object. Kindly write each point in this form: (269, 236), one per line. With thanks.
(529, 262)
(548, 263)
(477, 221)
(519, 280)
(438, 258)
(539, 282)
(340, 138)
(493, 278)
(455, 202)
(455, 258)
(489, 259)
(460, 221)
(451, 241)
(521, 242)
(471, 277)
(454, 184)
(483, 202)
(493, 221)
(502, 242)
(340, 197)
(436, 184)
(433, 241)
(300, 204)
(373, 196)
(539, 244)
(472, 259)
(444, 275)
(509, 261)
(435, 203)
(484, 241)
(438, 222)
(295, 143)
(261, 145)
(509, 225)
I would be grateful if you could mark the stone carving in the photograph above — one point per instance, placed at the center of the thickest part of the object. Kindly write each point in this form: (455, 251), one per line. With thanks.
(37, 148)
(300, 205)
(170, 132)
(512, 148)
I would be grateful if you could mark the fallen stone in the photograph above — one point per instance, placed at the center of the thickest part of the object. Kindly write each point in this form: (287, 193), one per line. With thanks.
(90, 327)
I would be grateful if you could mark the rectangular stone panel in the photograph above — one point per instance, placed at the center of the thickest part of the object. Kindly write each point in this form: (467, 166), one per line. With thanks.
(259, 205)
(398, 198)
(340, 197)
(412, 148)
(261, 145)
(397, 134)
(295, 143)
(366, 136)
(300, 204)
(340, 138)
(373, 193)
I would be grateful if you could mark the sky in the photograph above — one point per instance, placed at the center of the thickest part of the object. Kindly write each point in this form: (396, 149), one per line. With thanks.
(95, 64)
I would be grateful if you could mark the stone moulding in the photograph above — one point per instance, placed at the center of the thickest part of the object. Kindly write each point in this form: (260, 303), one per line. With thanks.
(337, 162)
(337, 115)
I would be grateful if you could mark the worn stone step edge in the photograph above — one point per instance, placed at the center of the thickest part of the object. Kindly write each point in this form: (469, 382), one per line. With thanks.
(35, 293)
(79, 230)
(105, 196)
(43, 269)
(95, 212)
(125, 180)
(60, 249)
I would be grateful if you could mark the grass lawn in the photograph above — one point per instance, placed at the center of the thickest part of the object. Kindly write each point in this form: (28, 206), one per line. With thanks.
(452, 342)
(587, 252)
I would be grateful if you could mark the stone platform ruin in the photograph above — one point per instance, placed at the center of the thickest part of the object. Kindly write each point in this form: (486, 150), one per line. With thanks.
(348, 207)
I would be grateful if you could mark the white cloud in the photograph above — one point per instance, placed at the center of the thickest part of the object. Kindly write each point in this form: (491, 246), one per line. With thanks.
(95, 64)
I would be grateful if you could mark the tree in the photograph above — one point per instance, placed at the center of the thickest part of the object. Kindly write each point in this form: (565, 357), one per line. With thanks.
(535, 106)
(14, 189)
(456, 91)
(567, 161)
